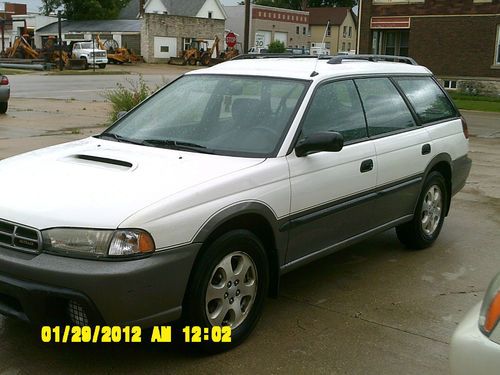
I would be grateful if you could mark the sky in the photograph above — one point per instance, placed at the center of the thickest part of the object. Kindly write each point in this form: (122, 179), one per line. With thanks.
(34, 5)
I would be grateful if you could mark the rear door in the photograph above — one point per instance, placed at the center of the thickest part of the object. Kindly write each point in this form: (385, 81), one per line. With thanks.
(402, 148)
(331, 198)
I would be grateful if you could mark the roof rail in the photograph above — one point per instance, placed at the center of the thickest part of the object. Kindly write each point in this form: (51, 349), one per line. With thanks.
(250, 56)
(374, 58)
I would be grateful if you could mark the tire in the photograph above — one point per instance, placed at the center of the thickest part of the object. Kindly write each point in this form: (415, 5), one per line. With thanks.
(3, 107)
(86, 66)
(102, 66)
(192, 61)
(220, 265)
(205, 59)
(424, 229)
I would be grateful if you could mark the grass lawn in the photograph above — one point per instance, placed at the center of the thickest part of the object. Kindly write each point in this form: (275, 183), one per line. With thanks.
(88, 72)
(476, 103)
(11, 72)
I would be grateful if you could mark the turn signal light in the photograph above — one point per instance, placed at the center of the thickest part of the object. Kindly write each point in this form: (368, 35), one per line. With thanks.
(492, 315)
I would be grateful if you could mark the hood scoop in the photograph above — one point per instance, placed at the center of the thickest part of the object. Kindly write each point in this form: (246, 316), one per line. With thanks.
(101, 161)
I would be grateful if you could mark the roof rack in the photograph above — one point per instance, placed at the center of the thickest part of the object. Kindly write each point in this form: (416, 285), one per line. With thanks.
(250, 56)
(374, 58)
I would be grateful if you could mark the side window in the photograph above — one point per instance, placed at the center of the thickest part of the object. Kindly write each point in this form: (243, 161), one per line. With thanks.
(430, 103)
(336, 107)
(386, 111)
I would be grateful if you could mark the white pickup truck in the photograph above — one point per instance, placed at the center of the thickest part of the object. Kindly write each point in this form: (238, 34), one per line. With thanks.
(91, 53)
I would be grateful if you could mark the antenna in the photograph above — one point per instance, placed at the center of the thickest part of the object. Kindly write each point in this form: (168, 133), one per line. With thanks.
(315, 73)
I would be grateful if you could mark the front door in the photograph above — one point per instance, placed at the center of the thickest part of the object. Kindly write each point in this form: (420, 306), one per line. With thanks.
(330, 191)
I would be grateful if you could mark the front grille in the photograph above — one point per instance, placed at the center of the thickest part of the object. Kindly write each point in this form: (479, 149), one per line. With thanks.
(19, 237)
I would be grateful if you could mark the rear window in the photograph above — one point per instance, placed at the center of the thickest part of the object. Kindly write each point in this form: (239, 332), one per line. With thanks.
(428, 100)
(385, 109)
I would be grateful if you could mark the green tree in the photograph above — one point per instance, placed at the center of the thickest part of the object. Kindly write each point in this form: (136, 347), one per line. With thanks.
(276, 47)
(85, 9)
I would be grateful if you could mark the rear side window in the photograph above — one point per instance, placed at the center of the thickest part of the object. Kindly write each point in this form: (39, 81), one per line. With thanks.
(385, 109)
(336, 107)
(430, 103)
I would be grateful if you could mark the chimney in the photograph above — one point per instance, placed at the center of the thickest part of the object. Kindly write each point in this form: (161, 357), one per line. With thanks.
(141, 8)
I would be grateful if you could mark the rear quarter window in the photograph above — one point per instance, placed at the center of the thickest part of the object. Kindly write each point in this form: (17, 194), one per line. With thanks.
(428, 100)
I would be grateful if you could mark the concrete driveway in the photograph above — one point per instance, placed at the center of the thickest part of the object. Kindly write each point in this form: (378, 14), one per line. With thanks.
(373, 308)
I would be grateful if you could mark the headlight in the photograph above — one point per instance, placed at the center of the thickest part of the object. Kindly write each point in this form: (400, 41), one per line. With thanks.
(97, 243)
(490, 309)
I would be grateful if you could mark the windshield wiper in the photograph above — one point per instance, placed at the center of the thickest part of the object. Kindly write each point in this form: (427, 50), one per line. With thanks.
(119, 138)
(178, 145)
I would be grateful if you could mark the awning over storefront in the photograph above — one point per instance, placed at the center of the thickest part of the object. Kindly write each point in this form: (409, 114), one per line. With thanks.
(390, 23)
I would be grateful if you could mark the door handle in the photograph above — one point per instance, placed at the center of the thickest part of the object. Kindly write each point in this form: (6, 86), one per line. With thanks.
(426, 149)
(366, 166)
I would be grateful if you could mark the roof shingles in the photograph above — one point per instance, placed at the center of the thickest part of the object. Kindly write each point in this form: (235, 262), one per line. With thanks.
(321, 16)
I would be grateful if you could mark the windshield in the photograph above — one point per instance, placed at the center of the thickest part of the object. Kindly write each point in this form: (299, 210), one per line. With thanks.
(228, 115)
(89, 45)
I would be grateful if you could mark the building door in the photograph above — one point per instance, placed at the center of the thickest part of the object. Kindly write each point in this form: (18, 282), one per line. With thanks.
(165, 47)
(132, 42)
(391, 42)
(281, 36)
(262, 38)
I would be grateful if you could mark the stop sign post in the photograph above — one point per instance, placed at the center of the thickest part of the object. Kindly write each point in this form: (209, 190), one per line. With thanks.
(231, 39)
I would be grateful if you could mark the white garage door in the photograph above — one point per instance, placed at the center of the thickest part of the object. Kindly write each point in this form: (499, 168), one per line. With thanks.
(282, 37)
(262, 39)
(165, 47)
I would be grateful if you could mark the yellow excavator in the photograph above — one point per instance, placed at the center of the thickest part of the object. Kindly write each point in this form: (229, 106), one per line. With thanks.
(116, 54)
(199, 52)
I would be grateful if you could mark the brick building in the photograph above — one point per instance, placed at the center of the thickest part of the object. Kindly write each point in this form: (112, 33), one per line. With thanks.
(268, 24)
(458, 40)
(164, 36)
(6, 23)
(341, 34)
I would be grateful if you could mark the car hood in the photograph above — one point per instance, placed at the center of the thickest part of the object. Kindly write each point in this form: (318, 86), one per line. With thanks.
(98, 183)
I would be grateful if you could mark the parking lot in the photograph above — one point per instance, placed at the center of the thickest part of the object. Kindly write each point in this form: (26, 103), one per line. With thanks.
(373, 308)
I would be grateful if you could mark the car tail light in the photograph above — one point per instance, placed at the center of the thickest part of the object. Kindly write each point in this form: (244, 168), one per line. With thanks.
(490, 309)
(465, 127)
(4, 81)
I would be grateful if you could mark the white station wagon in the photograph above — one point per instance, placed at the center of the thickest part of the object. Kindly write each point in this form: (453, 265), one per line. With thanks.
(194, 204)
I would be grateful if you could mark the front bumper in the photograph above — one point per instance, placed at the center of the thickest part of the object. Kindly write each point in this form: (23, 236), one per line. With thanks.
(471, 352)
(98, 60)
(145, 292)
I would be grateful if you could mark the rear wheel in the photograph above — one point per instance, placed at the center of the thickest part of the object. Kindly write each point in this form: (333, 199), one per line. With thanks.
(426, 225)
(3, 107)
(228, 287)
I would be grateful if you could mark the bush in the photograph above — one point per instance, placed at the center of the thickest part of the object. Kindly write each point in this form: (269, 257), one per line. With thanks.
(124, 99)
(276, 47)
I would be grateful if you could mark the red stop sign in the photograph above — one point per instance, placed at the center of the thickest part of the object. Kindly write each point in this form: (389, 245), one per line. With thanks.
(231, 39)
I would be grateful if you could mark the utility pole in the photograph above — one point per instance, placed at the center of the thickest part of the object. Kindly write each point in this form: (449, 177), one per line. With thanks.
(60, 45)
(247, 26)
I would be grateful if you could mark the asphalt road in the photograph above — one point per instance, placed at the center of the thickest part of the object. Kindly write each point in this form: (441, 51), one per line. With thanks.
(374, 308)
(79, 87)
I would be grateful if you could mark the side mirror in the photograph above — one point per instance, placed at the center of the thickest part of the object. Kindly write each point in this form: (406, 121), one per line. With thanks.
(321, 141)
(120, 114)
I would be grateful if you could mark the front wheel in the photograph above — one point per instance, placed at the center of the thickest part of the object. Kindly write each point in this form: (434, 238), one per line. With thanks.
(424, 229)
(229, 286)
